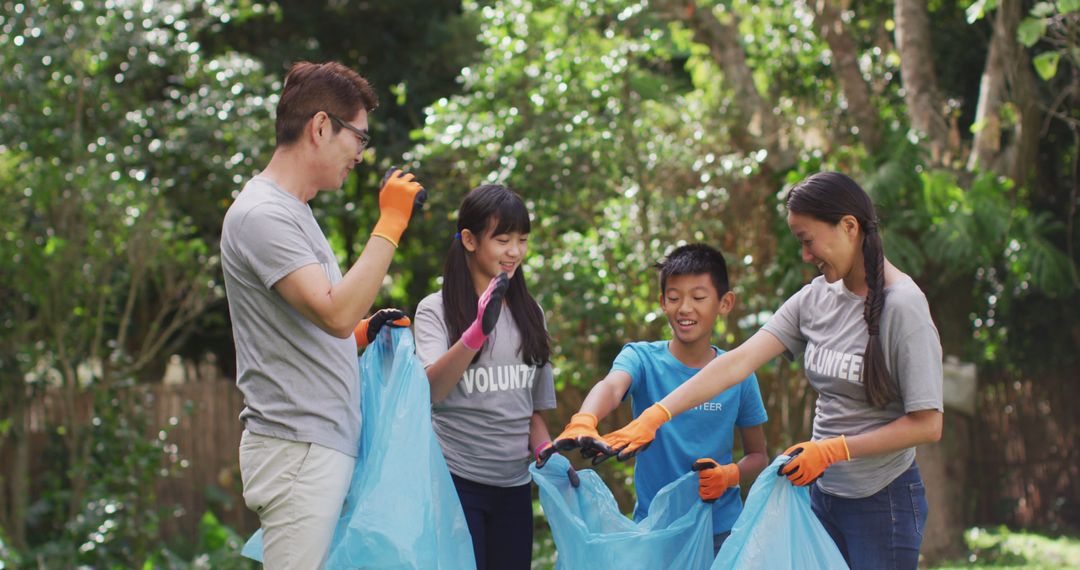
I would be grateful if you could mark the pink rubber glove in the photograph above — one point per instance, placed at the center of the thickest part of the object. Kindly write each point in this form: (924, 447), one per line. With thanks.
(487, 312)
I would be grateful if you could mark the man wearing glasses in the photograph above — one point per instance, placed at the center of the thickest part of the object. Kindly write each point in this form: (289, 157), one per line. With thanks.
(293, 312)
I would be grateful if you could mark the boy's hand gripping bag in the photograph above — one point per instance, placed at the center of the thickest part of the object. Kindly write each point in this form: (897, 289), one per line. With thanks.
(778, 529)
(590, 532)
(402, 511)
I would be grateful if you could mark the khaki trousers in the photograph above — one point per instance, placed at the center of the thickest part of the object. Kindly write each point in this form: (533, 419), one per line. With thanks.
(298, 490)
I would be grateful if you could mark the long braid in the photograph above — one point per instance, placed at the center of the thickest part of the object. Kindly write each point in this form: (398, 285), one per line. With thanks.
(876, 381)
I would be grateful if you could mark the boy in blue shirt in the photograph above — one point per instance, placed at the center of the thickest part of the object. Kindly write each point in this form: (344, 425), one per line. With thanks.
(694, 294)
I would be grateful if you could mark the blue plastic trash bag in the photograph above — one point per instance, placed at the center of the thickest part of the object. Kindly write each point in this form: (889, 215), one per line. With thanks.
(402, 510)
(590, 532)
(778, 529)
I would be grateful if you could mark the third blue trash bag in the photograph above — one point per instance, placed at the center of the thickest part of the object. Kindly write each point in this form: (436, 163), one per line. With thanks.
(778, 529)
(590, 532)
(402, 511)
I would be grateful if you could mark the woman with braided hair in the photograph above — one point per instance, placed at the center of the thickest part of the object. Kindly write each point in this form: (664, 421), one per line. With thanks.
(872, 353)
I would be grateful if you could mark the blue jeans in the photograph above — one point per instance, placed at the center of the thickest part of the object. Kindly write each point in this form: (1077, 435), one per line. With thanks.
(884, 530)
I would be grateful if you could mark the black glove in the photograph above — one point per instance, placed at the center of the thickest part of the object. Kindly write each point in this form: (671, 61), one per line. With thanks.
(544, 451)
(581, 433)
(369, 328)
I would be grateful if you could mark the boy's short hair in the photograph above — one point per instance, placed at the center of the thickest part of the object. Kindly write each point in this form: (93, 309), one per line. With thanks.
(695, 259)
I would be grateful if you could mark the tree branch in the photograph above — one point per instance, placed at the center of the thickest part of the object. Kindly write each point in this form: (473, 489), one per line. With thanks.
(845, 66)
(1006, 77)
(924, 102)
(755, 125)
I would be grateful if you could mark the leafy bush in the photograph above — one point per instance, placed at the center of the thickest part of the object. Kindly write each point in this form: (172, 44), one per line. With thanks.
(119, 520)
(219, 547)
(9, 558)
(1003, 548)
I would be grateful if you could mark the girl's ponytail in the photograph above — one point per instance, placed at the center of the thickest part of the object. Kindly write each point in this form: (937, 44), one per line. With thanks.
(459, 295)
(489, 210)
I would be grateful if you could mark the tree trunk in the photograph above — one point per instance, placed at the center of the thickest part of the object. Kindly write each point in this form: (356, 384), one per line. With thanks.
(944, 465)
(845, 66)
(944, 468)
(1023, 87)
(20, 479)
(924, 102)
(755, 125)
(1007, 77)
(986, 147)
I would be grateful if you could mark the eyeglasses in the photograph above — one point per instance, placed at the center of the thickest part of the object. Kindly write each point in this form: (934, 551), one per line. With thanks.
(365, 139)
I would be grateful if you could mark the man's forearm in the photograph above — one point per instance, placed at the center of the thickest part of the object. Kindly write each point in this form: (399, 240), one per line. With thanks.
(352, 297)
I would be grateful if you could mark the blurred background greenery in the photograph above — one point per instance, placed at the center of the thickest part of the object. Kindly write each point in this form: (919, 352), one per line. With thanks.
(127, 127)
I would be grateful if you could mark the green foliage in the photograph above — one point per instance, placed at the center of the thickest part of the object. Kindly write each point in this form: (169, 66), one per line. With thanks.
(110, 116)
(126, 129)
(543, 550)
(1031, 30)
(618, 130)
(9, 557)
(1003, 548)
(431, 40)
(974, 234)
(1056, 25)
(219, 546)
(118, 117)
(1046, 64)
(119, 520)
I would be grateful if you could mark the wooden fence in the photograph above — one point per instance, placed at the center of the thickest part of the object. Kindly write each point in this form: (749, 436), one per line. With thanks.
(206, 432)
(209, 436)
(1024, 470)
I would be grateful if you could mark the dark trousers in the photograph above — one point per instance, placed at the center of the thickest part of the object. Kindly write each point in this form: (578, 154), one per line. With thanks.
(500, 521)
(882, 531)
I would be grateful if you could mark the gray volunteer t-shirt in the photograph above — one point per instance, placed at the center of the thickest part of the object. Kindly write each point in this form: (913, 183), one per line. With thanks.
(483, 424)
(824, 321)
(299, 382)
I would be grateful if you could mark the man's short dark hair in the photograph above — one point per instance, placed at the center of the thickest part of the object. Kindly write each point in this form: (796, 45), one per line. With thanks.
(312, 87)
(695, 259)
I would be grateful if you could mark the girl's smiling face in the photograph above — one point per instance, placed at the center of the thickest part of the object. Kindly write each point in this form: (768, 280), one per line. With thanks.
(491, 254)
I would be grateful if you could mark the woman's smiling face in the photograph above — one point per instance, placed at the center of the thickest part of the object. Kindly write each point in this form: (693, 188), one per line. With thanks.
(832, 248)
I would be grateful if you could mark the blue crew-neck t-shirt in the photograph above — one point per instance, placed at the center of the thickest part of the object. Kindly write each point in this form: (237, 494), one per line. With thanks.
(706, 430)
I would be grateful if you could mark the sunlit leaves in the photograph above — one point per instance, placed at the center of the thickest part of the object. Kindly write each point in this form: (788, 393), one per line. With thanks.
(1046, 64)
(109, 114)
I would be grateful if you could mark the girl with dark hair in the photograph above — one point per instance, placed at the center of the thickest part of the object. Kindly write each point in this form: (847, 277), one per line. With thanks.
(872, 353)
(490, 373)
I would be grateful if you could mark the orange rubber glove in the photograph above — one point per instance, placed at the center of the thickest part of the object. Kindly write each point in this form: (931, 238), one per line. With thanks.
(579, 432)
(715, 479)
(636, 435)
(400, 196)
(810, 459)
(368, 329)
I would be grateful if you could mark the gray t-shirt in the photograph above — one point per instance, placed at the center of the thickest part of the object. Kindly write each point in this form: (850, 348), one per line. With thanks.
(299, 382)
(825, 322)
(483, 424)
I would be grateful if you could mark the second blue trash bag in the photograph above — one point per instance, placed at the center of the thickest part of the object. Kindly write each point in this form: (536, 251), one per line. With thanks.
(778, 529)
(590, 532)
(402, 511)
